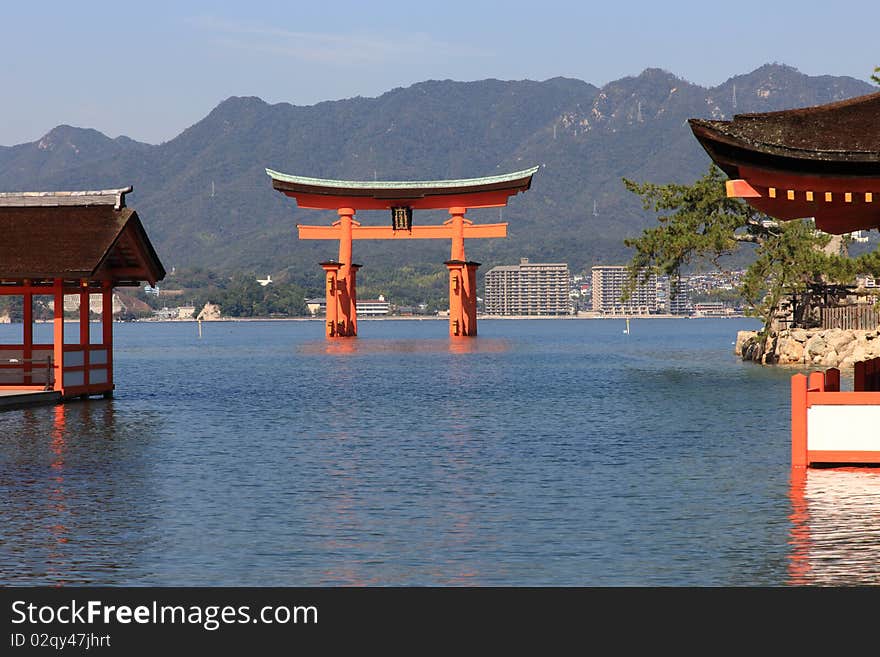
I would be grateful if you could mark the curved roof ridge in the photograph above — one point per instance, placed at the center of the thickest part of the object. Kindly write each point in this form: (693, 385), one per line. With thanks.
(847, 129)
(114, 197)
(812, 109)
(397, 184)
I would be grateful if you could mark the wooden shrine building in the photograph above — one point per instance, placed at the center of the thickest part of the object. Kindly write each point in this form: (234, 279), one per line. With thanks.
(54, 244)
(401, 199)
(819, 162)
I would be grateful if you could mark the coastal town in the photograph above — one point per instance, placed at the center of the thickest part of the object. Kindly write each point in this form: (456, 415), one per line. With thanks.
(523, 290)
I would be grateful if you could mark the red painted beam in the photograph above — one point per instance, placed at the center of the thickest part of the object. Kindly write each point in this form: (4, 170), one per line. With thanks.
(387, 233)
(493, 199)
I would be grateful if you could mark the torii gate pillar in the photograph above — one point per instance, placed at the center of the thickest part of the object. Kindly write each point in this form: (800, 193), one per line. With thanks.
(341, 299)
(462, 281)
(462, 297)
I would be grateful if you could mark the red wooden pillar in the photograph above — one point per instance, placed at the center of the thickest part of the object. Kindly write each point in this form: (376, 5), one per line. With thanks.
(798, 421)
(462, 297)
(832, 380)
(859, 376)
(84, 328)
(462, 280)
(471, 299)
(457, 319)
(107, 330)
(58, 334)
(331, 270)
(457, 220)
(352, 301)
(28, 336)
(346, 279)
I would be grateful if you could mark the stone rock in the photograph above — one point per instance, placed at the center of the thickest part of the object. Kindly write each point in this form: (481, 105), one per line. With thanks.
(846, 348)
(823, 348)
(789, 351)
(816, 346)
(741, 338)
(839, 338)
(769, 354)
(753, 349)
(799, 334)
(210, 312)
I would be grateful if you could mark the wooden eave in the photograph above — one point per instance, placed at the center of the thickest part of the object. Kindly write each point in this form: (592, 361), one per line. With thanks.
(131, 257)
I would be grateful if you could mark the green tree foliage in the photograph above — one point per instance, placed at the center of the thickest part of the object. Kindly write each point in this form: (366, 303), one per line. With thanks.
(699, 222)
(243, 296)
(876, 77)
(239, 295)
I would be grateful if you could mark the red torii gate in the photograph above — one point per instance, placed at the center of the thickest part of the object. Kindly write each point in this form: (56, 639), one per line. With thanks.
(401, 197)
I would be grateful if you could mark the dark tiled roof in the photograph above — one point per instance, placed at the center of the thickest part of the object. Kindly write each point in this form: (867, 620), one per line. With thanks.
(96, 241)
(843, 135)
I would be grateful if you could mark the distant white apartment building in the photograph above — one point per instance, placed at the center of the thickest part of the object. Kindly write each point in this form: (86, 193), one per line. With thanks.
(373, 307)
(609, 282)
(96, 303)
(529, 288)
(675, 300)
(712, 309)
(365, 307)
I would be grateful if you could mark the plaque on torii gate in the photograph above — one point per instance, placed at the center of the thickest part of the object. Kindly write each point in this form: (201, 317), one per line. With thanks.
(401, 198)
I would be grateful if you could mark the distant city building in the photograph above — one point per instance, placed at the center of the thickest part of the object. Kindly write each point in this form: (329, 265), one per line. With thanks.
(609, 282)
(676, 299)
(712, 309)
(316, 306)
(373, 307)
(365, 307)
(529, 288)
(166, 313)
(96, 303)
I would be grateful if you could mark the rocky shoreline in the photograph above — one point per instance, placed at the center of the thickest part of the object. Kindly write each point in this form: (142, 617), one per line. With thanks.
(838, 348)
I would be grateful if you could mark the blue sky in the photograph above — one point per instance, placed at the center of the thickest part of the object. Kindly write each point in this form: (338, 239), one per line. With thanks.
(150, 70)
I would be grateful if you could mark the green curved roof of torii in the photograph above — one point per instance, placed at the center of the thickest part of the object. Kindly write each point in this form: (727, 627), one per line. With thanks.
(520, 180)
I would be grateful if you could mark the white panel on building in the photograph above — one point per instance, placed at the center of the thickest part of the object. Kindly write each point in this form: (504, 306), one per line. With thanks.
(849, 428)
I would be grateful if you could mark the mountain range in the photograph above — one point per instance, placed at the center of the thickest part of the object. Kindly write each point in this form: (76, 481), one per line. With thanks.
(206, 200)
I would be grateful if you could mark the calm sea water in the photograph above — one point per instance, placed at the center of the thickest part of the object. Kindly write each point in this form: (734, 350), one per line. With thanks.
(543, 452)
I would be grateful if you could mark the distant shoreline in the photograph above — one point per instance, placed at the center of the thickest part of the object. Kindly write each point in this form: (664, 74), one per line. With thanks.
(434, 318)
(414, 318)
